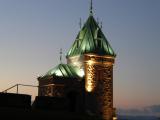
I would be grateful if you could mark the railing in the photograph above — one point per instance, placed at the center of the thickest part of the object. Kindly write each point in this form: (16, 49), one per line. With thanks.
(17, 85)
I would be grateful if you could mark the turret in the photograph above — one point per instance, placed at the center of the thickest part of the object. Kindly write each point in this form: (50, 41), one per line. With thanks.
(92, 53)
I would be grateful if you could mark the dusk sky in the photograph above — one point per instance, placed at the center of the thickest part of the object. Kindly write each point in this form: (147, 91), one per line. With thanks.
(33, 31)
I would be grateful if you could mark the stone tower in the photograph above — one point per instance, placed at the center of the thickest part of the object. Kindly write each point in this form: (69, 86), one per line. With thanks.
(99, 85)
(93, 54)
(88, 72)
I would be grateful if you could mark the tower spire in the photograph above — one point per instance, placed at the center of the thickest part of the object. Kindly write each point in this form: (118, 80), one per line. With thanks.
(80, 23)
(101, 25)
(97, 20)
(60, 57)
(91, 7)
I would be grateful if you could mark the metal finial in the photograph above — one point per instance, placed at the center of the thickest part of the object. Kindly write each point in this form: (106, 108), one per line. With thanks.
(60, 58)
(97, 20)
(80, 23)
(91, 8)
(101, 25)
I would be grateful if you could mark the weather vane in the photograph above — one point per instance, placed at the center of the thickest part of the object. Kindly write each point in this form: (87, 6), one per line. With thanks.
(101, 25)
(80, 23)
(97, 20)
(91, 7)
(60, 58)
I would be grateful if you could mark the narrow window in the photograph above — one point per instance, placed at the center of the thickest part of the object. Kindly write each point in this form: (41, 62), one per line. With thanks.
(99, 43)
(77, 44)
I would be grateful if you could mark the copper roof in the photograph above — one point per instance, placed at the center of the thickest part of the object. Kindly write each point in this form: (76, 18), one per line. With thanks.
(91, 39)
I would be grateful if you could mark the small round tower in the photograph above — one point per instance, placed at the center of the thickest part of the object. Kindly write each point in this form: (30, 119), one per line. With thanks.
(99, 85)
(92, 53)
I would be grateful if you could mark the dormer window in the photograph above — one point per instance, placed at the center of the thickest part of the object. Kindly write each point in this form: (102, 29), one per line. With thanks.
(77, 43)
(99, 43)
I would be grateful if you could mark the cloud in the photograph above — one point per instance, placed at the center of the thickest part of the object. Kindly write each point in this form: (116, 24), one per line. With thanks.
(153, 110)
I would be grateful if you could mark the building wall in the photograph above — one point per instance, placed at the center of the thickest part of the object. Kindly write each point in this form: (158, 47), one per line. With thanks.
(70, 88)
(99, 85)
(95, 91)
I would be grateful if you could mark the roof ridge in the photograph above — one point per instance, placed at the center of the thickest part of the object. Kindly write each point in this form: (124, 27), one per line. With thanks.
(63, 70)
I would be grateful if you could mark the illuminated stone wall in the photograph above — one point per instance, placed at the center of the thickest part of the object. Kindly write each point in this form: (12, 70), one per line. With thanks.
(52, 90)
(70, 88)
(90, 83)
(99, 85)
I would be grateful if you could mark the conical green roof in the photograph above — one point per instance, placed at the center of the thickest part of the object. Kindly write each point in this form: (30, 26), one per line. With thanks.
(64, 70)
(91, 40)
